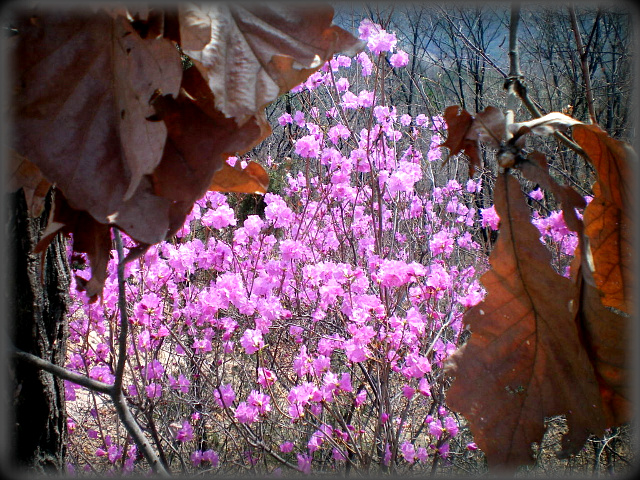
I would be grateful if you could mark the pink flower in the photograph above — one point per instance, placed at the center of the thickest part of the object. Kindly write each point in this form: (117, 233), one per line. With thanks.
(224, 395)
(220, 217)
(365, 63)
(153, 369)
(537, 194)
(266, 377)
(196, 458)
(259, 400)
(399, 59)
(342, 84)
(337, 132)
(212, 457)
(304, 463)
(246, 413)
(367, 28)
(298, 117)
(349, 100)
(490, 218)
(366, 98)
(308, 146)
(252, 341)
(422, 120)
(286, 447)
(451, 426)
(381, 41)
(185, 434)
(405, 119)
(284, 119)
(408, 451)
(153, 390)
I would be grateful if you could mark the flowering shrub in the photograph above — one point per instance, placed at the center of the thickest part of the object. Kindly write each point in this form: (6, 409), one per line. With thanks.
(311, 337)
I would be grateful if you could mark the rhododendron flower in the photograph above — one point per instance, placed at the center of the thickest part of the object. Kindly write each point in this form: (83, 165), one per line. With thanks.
(286, 447)
(308, 146)
(196, 458)
(399, 59)
(349, 100)
(342, 84)
(285, 119)
(304, 463)
(246, 413)
(185, 434)
(224, 395)
(381, 41)
(405, 119)
(422, 120)
(490, 218)
(266, 377)
(153, 369)
(259, 400)
(252, 341)
(408, 451)
(220, 217)
(451, 426)
(153, 390)
(365, 64)
(367, 28)
(337, 132)
(422, 454)
(366, 98)
(443, 451)
(537, 194)
(211, 457)
(102, 374)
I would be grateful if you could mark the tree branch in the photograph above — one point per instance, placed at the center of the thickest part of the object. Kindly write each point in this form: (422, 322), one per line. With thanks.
(582, 52)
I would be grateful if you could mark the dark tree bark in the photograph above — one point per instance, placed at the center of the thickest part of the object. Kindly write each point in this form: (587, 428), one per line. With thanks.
(37, 297)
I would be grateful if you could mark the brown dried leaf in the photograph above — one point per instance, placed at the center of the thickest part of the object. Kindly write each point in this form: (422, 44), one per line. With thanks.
(79, 116)
(607, 218)
(606, 335)
(257, 52)
(200, 139)
(89, 236)
(459, 123)
(252, 179)
(545, 125)
(524, 360)
(24, 174)
(489, 126)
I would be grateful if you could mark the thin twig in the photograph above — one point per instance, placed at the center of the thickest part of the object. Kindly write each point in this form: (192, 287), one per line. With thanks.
(582, 53)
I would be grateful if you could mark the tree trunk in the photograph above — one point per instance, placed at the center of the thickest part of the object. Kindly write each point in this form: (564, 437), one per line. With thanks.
(37, 297)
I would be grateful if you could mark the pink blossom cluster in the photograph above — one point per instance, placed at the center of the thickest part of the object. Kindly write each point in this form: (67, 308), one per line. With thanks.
(345, 295)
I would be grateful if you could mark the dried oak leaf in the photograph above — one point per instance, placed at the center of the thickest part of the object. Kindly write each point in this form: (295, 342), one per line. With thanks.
(607, 218)
(464, 132)
(24, 174)
(251, 179)
(89, 236)
(252, 53)
(82, 86)
(607, 337)
(199, 141)
(524, 360)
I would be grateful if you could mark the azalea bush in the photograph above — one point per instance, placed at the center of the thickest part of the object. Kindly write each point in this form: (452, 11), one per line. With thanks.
(311, 337)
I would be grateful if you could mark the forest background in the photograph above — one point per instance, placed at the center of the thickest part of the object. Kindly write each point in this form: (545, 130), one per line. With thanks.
(276, 378)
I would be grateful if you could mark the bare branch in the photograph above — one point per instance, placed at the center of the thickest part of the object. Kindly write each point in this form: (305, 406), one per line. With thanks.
(582, 52)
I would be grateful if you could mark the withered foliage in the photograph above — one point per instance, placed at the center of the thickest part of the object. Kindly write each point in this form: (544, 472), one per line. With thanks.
(542, 344)
(103, 109)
